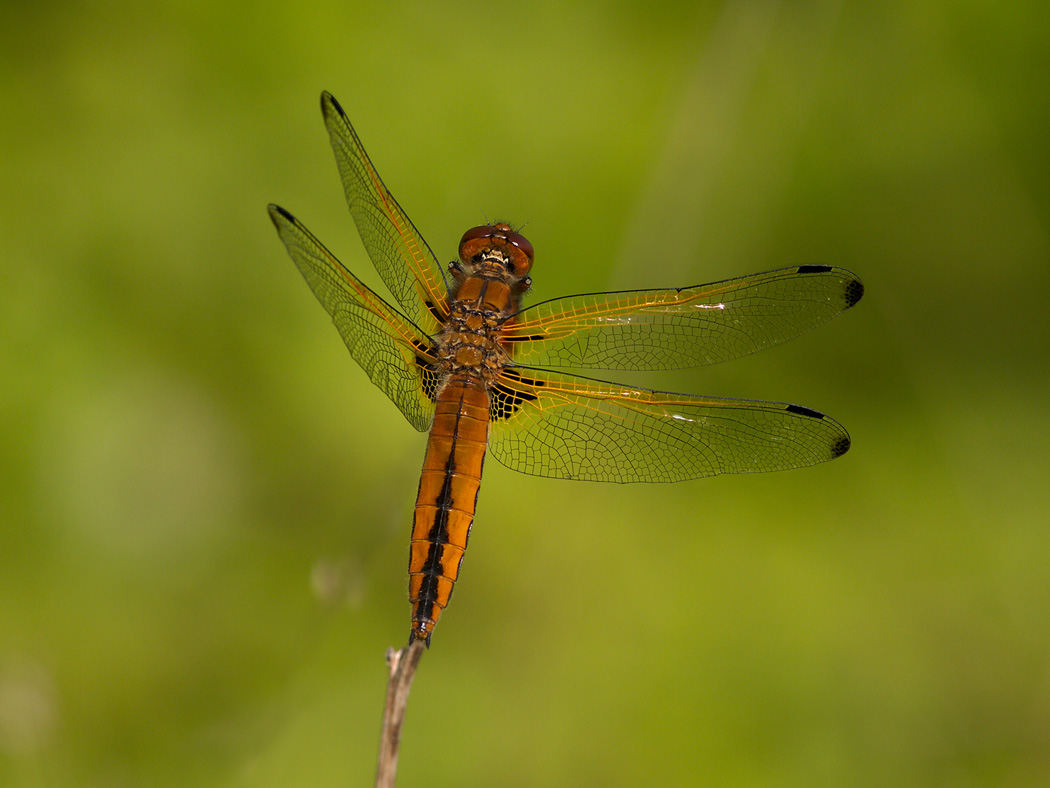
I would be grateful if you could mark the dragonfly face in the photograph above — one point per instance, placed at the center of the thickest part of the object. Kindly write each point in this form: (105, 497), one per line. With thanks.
(497, 244)
(463, 360)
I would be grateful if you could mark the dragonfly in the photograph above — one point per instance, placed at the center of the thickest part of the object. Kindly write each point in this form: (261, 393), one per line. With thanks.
(463, 359)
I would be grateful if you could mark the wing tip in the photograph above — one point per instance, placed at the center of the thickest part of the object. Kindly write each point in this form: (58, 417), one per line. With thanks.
(854, 292)
(279, 216)
(853, 288)
(840, 446)
(330, 105)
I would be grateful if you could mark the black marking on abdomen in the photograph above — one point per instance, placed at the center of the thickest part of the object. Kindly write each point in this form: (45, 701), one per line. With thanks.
(438, 538)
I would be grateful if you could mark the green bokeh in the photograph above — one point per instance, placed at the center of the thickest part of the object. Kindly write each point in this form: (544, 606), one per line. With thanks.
(204, 506)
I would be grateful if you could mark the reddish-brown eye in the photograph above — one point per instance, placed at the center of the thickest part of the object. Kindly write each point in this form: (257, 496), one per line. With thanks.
(484, 231)
(519, 257)
(522, 243)
(516, 248)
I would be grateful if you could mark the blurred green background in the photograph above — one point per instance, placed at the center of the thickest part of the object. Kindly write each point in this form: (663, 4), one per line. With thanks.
(204, 505)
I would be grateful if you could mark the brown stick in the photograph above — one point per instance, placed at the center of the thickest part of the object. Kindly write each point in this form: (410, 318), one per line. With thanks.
(402, 665)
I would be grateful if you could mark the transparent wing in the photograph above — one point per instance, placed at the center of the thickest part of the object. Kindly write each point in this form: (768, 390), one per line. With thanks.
(398, 251)
(397, 355)
(567, 427)
(674, 329)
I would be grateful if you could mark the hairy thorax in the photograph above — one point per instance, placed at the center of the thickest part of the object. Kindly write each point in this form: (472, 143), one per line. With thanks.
(469, 345)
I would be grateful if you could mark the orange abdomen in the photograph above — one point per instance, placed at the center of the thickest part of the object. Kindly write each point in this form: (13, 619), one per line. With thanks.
(448, 492)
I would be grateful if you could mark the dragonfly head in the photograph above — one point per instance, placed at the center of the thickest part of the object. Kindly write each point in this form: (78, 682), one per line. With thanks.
(496, 245)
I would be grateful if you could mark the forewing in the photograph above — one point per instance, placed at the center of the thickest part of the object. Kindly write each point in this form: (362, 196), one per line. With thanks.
(398, 251)
(395, 353)
(674, 329)
(567, 427)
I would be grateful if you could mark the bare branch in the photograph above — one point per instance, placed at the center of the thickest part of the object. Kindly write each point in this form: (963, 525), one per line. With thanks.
(403, 666)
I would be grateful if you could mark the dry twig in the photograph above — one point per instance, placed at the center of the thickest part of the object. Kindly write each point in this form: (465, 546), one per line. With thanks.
(403, 666)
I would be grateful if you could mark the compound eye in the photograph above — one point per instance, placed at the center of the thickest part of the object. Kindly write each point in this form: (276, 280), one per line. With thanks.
(522, 243)
(515, 247)
(484, 231)
(521, 254)
(475, 240)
